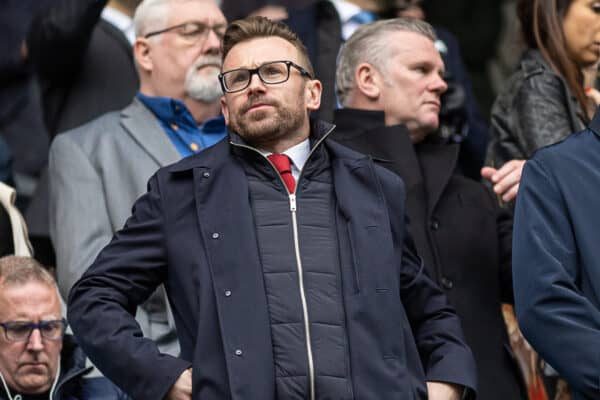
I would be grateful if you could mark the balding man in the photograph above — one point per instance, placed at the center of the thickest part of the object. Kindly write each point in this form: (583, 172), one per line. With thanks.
(37, 359)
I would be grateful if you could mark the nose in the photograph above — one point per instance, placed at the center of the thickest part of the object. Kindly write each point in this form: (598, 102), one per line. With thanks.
(212, 43)
(256, 84)
(35, 342)
(438, 84)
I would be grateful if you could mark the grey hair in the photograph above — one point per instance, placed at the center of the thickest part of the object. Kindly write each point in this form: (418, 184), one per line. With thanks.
(18, 270)
(152, 15)
(369, 44)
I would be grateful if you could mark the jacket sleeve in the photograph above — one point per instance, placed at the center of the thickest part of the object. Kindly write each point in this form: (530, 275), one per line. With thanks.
(538, 116)
(435, 325)
(554, 315)
(58, 38)
(79, 223)
(102, 304)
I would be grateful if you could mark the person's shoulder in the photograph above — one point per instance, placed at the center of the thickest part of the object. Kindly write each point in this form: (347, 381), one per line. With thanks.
(88, 134)
(570, 149)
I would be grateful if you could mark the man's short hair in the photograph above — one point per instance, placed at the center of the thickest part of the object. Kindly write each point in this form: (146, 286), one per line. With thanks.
(16, 270)
(152, 15)
(369, 44)
(254, 27)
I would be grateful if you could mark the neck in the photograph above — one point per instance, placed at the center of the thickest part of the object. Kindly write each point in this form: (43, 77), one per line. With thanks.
(117, 5)
(202, 111)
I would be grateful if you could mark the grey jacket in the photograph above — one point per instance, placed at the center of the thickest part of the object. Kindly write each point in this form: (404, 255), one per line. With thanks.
(96, 172)
(535, 109)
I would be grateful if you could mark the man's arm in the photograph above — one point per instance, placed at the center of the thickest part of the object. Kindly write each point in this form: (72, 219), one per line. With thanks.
(79, 223)
(554, 315)
(102, 304)
(538, 116)
(446, 359)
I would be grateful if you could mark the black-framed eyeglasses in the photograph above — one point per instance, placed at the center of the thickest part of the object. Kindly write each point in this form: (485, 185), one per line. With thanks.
(193, 31)
(19, 331)
(271, 73)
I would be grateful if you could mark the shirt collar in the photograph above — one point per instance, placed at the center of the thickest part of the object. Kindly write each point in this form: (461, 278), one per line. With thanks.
(297, 153)
(345, 10)
(121, 21)
(167, 109)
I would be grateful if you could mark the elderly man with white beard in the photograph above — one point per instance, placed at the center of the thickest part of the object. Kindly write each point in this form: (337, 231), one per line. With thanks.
(98, 170)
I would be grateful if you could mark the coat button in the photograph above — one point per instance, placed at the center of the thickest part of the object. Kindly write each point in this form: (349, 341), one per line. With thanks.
(215, 235)
(435, 224)
(447, 283)
(206, 174)
(238, 353)
(227, 293)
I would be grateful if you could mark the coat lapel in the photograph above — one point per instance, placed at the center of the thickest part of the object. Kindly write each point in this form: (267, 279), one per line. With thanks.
(361, 202)
(144, 128)
(230, 239)
(438, 162)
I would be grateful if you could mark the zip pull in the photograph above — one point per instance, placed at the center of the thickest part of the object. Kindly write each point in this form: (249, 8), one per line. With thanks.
(292, 202)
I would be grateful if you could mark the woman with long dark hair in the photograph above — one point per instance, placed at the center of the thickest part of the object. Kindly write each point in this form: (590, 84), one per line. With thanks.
(546, 99)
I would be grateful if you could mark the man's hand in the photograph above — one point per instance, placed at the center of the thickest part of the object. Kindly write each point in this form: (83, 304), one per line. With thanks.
(182, 389)
(443, 391)
(506, 179)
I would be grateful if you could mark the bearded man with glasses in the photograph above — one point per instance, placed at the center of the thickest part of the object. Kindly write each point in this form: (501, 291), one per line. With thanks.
(37, 360)
(285, 257)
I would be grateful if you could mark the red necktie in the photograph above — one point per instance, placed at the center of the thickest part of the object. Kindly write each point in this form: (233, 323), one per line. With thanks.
(282, 163)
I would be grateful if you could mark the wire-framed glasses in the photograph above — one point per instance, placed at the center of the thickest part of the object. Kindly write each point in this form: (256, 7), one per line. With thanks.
(271, 73)
(19, 331)
(193, 31)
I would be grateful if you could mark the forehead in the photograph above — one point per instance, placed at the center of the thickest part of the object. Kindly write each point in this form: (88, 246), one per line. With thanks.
(31, 301)
(411, 46)
(195, 10)
(254, 52)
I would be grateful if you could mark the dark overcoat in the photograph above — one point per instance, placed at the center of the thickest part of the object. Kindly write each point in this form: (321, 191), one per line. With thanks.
(194, 231)
(459, 231)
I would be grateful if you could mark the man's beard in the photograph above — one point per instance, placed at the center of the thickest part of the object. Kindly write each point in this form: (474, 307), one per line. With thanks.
(266, 126)
(204, 87)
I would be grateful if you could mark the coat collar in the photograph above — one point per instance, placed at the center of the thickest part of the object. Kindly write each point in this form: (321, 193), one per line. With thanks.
(430, 164)
(144, 128)
(595, 124)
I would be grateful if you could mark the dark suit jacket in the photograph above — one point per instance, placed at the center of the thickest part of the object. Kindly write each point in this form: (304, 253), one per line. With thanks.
(459, 231)
(194, 231)
(556, 258)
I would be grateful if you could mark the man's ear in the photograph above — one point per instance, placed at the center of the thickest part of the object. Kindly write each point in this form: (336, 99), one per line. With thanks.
(368, 81)
(225, 110)
(141, 52)
(314, 88)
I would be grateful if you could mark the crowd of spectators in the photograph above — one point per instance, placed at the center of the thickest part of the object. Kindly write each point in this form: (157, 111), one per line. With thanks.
(96, 96)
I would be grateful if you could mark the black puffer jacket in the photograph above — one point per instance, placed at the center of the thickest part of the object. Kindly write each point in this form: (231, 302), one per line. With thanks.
(535, 109)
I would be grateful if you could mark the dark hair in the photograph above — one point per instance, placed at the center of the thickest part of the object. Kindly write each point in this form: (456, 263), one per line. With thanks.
(541, 27)
(257, 27)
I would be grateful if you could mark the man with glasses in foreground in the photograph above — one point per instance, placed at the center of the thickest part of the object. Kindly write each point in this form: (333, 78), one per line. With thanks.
(97, 171)
(37, 360)
(284, 255)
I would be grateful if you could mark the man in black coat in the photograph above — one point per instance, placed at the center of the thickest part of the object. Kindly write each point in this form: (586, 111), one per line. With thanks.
(285, 256)
(390, 75)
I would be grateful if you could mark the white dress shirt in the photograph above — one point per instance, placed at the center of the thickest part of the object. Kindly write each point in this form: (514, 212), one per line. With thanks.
(298, 155)
(122, 22)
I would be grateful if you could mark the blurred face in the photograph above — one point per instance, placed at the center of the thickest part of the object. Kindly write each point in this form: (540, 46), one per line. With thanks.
(186, 61)
(267, 114)
(581, 27)
(29, 366)
(413, 84)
